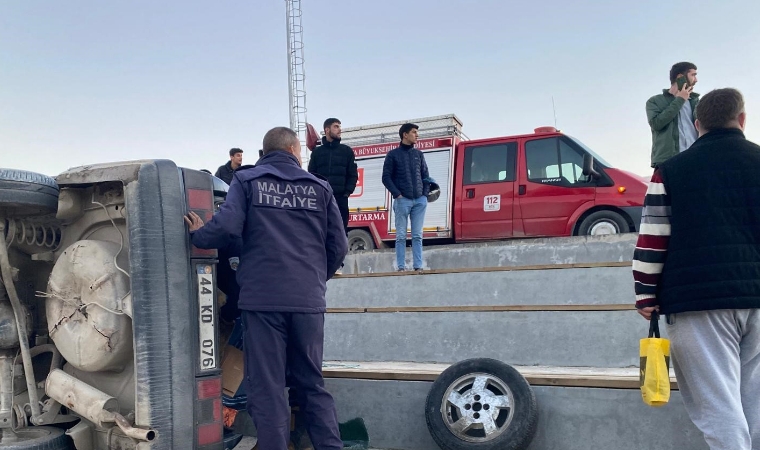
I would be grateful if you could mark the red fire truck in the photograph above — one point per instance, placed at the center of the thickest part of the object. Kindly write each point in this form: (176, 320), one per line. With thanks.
(541, 184)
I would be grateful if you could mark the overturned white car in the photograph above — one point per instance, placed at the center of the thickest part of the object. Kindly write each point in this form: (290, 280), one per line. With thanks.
(108, 321)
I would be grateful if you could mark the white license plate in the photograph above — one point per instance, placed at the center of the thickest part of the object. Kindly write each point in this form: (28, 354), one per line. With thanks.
(207, 333)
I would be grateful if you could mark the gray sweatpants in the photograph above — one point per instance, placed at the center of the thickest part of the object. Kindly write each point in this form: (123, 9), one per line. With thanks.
(716, 357)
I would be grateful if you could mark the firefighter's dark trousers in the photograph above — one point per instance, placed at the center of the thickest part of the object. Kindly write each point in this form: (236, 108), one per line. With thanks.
(277, 342)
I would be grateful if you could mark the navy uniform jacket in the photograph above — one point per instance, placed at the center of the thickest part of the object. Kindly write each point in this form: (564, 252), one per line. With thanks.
(292, 231)
(226, 271)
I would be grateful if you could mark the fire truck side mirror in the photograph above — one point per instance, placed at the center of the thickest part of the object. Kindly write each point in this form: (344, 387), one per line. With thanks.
(588, 167)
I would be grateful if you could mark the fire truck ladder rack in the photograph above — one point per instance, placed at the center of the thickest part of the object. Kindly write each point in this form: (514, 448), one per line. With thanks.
(430, 127)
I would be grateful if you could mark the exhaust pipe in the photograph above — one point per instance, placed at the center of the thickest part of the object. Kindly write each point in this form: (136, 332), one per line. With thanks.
(80, 397)
(90, 403)
(140, 434)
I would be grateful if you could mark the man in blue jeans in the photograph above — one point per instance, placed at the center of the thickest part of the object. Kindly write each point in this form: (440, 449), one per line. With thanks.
(403, 173)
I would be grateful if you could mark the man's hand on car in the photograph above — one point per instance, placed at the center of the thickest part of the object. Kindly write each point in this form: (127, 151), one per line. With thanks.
(193, 221)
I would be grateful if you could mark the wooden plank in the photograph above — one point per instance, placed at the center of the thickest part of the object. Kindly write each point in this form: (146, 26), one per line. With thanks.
(485, 308)
(346, 310)
(588, 377)
(489, 269)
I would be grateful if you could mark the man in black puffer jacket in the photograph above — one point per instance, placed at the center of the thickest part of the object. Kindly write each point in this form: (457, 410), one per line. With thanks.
(226, 171)
(697, 260)
(404, 170)
(336, 162)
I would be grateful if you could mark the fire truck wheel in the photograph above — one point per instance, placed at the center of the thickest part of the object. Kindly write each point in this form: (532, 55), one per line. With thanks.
(603, 222)
(34, 438)
(481, 404)
(24, 194)
(360, 240)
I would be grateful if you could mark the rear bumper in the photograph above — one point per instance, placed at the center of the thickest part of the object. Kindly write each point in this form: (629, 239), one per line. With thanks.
(634, 212)
(162, 322)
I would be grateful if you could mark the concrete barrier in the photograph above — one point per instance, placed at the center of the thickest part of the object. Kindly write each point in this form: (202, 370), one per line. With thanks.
(576, 317)
(569, 418)
(601, 285)
(517, 252)
(515, 316)
(552, 338)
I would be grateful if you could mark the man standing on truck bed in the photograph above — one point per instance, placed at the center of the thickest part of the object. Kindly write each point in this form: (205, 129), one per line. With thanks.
(697, 261)
(226, 171)
(671, 114)
(293, 242)
(404, 170)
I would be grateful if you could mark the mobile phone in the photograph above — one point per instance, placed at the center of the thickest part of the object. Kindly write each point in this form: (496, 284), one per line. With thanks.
(681, 81)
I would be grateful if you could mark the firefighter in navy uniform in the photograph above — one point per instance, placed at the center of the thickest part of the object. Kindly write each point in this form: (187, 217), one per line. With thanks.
(293, 242)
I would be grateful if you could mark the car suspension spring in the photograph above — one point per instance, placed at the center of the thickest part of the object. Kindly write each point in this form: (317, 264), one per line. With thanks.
(30, 233)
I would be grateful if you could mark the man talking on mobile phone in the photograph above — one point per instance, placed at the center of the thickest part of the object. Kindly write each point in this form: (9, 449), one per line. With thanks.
(671, 114)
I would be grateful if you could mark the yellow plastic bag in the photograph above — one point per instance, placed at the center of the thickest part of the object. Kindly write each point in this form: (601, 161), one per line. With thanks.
(655, 366)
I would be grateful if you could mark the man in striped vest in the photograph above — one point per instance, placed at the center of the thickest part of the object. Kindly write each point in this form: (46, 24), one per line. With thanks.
(697, 261)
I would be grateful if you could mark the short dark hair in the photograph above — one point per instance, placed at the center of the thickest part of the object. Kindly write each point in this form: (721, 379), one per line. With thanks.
(235, 151)
(279, 138)
(405, 128)
(719, 108)
(329, 122)
(681, 68)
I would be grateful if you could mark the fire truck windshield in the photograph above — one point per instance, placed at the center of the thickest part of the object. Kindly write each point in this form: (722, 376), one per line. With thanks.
(597, 158)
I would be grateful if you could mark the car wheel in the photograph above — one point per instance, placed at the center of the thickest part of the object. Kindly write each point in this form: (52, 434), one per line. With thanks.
(24, 194)
(34, 438)
(481, 404)
(360, 240)
(602, 223)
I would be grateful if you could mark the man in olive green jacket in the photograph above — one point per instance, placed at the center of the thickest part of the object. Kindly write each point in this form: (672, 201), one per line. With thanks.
(671, 114)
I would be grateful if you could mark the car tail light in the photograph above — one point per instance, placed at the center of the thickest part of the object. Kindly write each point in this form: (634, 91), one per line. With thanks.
(209, 388)
(210, 434)
(200, 199)
(208, 411)
(202, 203)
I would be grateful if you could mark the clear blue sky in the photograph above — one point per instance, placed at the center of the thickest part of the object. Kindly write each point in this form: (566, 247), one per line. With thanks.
(83, 82)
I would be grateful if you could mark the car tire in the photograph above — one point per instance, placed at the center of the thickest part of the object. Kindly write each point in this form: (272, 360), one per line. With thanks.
(360, 240)
(35, 438)
(603, 223)
(24, 194)
(481, 404)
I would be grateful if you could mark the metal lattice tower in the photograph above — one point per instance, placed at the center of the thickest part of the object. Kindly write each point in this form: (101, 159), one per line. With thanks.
(296, 74)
